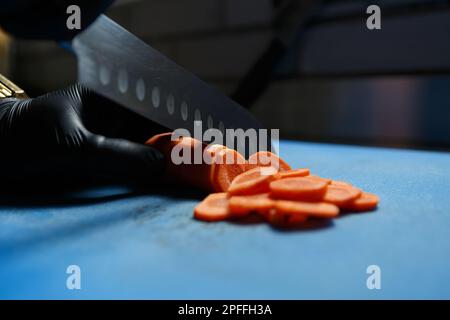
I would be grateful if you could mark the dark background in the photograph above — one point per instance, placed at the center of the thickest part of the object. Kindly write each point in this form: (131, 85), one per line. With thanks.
(338, 82)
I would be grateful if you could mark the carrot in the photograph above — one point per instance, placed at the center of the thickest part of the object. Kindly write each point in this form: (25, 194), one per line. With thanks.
(158, 138)
(341, 194)
(283, 220)
(191, 174)
(214, 148)
(340, 183)
(366, 202)
(250, 182)
(213, 208)
(214, 175)
(284, 197)
(293, 173)
(243, 205)
(163, 142)
(267, 159)
(311, 209)
(317, 178)
(301, 188)
(227, 165)
(211, 151)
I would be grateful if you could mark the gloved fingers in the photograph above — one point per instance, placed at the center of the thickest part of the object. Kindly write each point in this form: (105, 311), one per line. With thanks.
(123, 160)
(121, 122)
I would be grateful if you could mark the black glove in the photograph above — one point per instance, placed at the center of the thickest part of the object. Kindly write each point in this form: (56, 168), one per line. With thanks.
(74, 135)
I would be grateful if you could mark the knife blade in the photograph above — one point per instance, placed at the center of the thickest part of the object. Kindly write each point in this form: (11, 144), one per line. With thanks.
(118, 65)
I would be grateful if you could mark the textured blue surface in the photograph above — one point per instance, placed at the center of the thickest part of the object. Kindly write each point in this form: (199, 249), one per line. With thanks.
(148, 246)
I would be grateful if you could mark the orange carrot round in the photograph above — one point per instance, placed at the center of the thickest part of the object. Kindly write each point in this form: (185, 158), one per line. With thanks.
(243, 205)
(341, 194)
(250, 182)
(267, 159)
(340, 183)
(311, 209)
(227, 165)
(366, 202)
(301, 188)
(213, 208)
(211, 151)
(317, 178)
(293, 173)
(283, 220)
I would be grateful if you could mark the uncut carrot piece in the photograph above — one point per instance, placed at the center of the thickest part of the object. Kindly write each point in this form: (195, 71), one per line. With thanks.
(192, 174)
(213, 208)
(251, 182)
(267, 159)
(166, 136)
(163, 142)
(311, 209)
(227, 165)
(303, 172)
(341, 194)
(242, 205)
(301, 188)
(366, 202)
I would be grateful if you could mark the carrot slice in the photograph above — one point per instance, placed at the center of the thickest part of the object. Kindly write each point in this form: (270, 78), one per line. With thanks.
(214, 148)
(284, 220)
(366, 202)
(341, 183)
(211, 151)
(250, 182)
(227, 165)
(317, 178)
(267, 159)
(341, 195)
(311, 209)
(293, 173)
(301, 188)
(243, 205)
(213, 208)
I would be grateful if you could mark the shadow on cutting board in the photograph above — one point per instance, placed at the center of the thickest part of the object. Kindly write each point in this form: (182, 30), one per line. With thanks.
(33, 227)
(86, 194)
(309, 225)
(47, 216)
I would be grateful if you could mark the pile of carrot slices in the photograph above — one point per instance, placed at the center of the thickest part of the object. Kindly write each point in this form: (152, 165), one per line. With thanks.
(282, 196)
(285, 198)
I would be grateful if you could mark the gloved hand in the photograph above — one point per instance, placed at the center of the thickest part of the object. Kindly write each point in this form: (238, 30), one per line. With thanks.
(74, 135)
